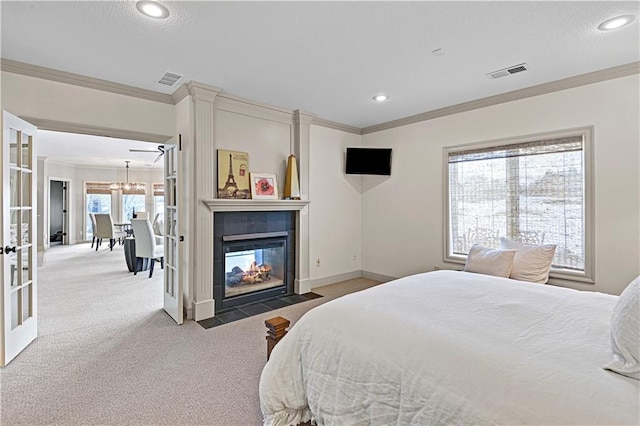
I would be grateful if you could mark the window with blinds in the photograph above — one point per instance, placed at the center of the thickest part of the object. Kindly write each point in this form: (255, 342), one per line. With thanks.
(134, 189)
(158, 200)
(98, 188)
(533, 191)
(98, 200)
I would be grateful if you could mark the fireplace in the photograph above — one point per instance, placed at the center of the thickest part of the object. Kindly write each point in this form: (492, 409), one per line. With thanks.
(255, 266)
(254, 257)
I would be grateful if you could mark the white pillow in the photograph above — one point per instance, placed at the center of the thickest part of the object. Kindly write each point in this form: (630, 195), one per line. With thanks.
(532, 262)
(625, 332)
(488, 261)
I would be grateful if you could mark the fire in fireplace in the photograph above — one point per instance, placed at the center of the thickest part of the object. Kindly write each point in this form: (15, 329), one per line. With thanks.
(255, 266)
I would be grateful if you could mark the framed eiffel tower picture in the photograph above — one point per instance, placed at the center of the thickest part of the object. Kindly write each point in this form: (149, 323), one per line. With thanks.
(233, 174)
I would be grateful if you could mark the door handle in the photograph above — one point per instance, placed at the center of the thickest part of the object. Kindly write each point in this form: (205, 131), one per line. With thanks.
(8, 249)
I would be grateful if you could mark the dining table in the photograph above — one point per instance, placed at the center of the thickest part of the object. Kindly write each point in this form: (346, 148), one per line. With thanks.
(130, 256)
(126, 227)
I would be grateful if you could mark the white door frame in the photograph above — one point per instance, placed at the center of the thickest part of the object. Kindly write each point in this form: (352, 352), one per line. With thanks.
(66, 205)
(62, 126)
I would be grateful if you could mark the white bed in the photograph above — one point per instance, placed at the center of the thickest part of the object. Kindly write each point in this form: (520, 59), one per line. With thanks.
(451, 347)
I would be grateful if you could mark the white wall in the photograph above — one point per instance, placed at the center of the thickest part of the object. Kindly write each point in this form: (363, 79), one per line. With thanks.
(403, 216)
(268, 142)
(44, 99)
(402, 223)
(335, 209)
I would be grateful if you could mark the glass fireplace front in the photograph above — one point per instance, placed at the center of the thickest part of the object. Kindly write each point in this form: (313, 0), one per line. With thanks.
(254, 264)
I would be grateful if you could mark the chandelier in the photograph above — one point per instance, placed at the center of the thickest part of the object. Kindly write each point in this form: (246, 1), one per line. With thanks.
(116, 186)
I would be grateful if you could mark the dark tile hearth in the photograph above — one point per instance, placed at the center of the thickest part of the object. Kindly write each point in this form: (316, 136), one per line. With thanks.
(276, 303)
(251, 309)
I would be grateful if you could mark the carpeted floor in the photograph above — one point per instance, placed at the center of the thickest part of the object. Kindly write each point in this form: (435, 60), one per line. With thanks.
(107, 354)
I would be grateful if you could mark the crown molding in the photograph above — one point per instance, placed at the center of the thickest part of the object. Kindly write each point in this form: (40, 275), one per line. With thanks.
(194, 88)
(337, 126)
(29, 70)
(63, 126)
(541, 89)
(202, 92)
(238, 105)
(261, 105)
(302, 117)
(180, 93)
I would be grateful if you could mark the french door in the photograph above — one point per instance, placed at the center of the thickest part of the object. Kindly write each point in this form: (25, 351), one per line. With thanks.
(18, 318)
(173, 287)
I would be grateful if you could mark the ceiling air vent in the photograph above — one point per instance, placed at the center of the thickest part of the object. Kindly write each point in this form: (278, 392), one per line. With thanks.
(169, 78)
(508, 71)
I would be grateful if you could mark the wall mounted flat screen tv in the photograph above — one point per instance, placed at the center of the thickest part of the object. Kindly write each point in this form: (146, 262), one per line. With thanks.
(368, 161)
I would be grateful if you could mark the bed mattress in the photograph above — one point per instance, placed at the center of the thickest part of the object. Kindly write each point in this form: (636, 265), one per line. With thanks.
(451, 347)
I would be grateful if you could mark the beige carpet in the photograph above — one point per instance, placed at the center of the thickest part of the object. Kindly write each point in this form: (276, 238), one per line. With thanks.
(107, 354)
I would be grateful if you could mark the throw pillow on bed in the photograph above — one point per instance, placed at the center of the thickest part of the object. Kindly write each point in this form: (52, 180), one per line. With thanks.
(625, 332)
(532, 262)
(488, 261)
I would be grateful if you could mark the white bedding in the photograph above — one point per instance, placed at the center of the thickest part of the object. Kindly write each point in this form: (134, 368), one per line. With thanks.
(451, 347)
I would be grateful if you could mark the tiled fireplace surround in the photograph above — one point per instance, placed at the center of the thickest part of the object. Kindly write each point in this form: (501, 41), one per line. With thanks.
(257, 222)
(254, 216)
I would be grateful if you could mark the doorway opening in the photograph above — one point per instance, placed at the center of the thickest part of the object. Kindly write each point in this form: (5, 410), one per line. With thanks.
(58, 212)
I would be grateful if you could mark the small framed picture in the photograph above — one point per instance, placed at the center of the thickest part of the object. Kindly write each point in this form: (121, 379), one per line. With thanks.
(264, 186)
(233, 174)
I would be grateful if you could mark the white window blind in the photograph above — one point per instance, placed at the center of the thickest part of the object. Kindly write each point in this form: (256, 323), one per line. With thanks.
(532, 192)
(158, 189)
(134, 189)
(98, 188)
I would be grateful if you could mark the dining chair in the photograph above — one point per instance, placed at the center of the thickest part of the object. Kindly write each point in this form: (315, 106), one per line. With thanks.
(158, 228)
(146, 246)
(92, 216)
(105, 229)
(141, 215)
(158, 224)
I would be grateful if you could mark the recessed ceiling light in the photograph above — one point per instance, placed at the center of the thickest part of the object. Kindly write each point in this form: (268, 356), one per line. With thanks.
(380, 98)
(152, 9)
(617, 22)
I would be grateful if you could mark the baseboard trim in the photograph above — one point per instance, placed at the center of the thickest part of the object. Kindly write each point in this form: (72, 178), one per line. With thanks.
(188, 312)
(320, 282)
(302, 286)
(203, 310)
(377, 277)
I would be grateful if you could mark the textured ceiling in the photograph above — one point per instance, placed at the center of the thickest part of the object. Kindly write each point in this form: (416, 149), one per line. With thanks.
(327, 58)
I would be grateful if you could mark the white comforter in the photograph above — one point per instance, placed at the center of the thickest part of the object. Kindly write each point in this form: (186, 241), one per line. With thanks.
(451, 347)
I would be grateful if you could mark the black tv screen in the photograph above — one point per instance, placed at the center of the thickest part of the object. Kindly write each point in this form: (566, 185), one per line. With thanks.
(368, 161)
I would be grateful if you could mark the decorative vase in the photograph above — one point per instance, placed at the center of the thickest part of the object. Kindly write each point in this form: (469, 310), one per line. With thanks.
(292, 183)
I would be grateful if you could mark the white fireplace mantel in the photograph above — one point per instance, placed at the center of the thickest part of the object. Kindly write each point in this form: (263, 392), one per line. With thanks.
(204, 123)
(233, 205)
(302, 283)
